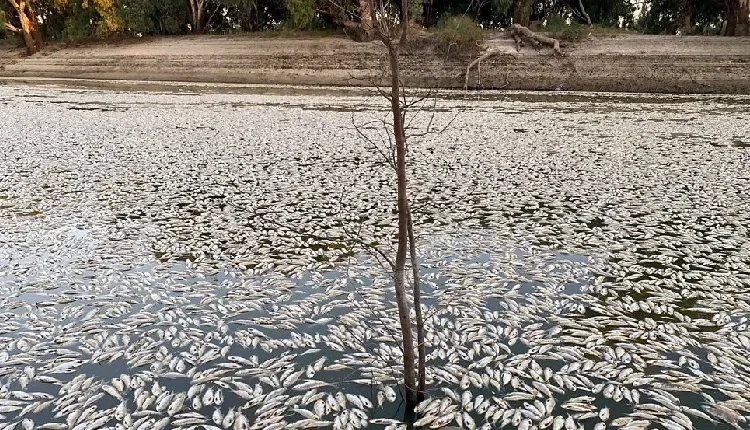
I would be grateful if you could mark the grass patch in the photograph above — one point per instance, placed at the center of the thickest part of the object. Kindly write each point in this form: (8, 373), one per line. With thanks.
(558, 27)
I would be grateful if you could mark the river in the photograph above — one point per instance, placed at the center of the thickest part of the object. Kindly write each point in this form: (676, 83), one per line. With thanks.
(197, 259)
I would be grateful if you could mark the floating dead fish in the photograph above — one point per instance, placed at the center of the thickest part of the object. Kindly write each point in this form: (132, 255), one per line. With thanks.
(561, 291)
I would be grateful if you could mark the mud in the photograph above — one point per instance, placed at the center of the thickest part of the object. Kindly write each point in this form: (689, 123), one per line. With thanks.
(631, 63)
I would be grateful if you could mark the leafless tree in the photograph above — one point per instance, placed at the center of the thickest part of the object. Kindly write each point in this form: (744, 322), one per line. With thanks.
(394, 37)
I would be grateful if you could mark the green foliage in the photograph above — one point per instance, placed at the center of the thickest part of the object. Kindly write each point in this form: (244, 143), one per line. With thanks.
(2, 24)
(666, 16)
(301, 14)
(154, 16)
(504, 7)
(83, 19)
(559, 28)
(662, 17)
(460, 31)
(81, 22)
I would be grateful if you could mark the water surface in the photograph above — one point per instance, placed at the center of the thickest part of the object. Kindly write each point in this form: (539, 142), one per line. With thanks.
(584, 258)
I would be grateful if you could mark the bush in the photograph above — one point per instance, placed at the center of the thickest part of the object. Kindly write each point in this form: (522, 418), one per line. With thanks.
(154, 16)
(459, 31)
(301, 14)
(82, 24)
(558, 27)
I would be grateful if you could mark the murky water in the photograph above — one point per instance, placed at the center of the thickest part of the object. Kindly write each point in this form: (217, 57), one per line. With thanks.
(585, 261)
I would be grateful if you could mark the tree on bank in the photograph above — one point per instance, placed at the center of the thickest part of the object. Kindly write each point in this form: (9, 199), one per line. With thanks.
(28, 26)
(738, 18)
(522, 12)
(35, 21)
(198, 9)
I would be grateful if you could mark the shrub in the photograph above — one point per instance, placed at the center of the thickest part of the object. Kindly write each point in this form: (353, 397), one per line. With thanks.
(458, 31)
(82, 24)
(301, 14)
(2, 24)
(154, 16)
(558, 27)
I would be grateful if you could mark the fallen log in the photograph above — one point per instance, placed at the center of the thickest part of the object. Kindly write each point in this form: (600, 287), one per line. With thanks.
(519, 34)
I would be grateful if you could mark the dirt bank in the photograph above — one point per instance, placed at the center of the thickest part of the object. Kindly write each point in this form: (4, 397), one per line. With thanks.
(668, 64)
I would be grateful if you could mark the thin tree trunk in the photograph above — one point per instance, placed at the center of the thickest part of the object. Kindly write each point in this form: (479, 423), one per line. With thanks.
(522, 14)
(404, 22)
(201, 18)
(32, 37)
(403, 221)
(687, 17)
(417, 292)
(743, 18)
(427, 13)
(584, 13)
(365, 17)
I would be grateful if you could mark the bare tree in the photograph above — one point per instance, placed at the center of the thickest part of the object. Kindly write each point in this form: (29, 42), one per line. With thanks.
(387, 33)
(29, 29)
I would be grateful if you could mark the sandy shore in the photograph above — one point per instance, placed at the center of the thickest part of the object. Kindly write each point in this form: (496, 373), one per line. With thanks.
(661, 64)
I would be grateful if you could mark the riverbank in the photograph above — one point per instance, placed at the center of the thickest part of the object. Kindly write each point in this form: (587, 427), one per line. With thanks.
(617, 63)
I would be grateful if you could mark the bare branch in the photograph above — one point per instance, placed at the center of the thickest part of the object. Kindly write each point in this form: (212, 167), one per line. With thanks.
(583, 12)
(476, 62)
(11, 28)
(388, 159)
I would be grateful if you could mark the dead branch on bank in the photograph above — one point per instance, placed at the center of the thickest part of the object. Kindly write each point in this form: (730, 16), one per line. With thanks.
(520, 34)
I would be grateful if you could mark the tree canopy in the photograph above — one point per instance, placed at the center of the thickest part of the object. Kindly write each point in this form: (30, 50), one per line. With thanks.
(77, 19)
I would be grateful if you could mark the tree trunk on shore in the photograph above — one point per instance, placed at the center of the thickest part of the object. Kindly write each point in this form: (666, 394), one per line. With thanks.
(687, 17)
(738, 18)
(32, 37)
(365, 18)
(428, 18)
(198, 10)
(585, 14)
(522, 14)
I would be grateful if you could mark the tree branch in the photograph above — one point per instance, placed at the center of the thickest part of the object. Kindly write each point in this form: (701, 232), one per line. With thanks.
(583, 12)
(8, 26)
